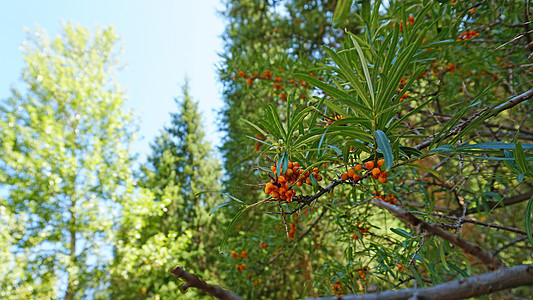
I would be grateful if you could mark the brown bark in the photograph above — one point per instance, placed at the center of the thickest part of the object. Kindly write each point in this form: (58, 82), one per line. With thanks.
(468, 247)
(501, 279)
(192, 280)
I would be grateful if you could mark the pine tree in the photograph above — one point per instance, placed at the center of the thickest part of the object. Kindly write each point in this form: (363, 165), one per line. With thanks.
(64, 162)
(175, 228)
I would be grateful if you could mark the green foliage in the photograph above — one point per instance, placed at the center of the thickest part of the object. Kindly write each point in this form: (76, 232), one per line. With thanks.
(412, 84)
(169, 225)
(64, 161)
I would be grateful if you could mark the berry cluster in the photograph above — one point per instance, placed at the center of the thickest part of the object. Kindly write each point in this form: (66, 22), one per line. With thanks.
(465, 36)
(257, 281)
(409, 22)
(337, 289)
(278, 81)
(363, 231)
(243, 254)
(362, 273)
(240, 267)
(369, 165)
(280, 188)
(391, 199)
(263, 245)
(330, 121)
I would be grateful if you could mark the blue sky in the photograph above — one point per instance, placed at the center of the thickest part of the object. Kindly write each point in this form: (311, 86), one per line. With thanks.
(163, 40)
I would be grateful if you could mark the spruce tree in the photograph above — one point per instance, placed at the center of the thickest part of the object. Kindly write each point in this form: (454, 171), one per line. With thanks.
(173, 227)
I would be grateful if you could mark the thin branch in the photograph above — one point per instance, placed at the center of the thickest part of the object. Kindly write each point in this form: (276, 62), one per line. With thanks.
(468, 247)
(511, 243)
(492, 225)
(502, 279)
(493, 111)
(192, 280)
(497, 204)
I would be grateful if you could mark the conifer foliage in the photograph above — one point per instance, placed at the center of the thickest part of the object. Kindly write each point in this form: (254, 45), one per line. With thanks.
(170, 225)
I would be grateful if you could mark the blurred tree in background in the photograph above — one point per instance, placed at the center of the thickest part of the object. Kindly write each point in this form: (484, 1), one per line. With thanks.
(170, 224)
(64, 164)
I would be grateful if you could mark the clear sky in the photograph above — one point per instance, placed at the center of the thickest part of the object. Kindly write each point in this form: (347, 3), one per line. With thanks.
(164, 41)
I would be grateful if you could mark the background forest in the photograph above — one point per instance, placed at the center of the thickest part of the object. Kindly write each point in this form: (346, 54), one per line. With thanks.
(368, 147)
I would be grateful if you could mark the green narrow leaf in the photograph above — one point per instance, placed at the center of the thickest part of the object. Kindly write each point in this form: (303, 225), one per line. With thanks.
(347, 71)
(384, 145)
(285, 163)
(494, 145)
(279, 164)
(365, 69)
(520, 158)
(443, 256)
(219, 206)
(509, 160)
(529, 211)
(401, 232)
(332, 91)
(230, 226)
(342, 9)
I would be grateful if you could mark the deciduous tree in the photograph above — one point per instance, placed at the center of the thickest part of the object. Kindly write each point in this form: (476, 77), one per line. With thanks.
(64, 162)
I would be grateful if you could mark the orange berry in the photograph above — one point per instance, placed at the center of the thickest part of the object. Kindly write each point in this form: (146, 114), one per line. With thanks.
(282, 179)
(244, 254)
(273, 168)
(473, 11)
(344, 176)
(380, 162)
(350, 173)
(358, 167)
(268, 188)
(400, 267)
(299, 183)
(369, 165)
(356, 177)
(382, 179)
(275, 194)
(376, 171)
(318, 178)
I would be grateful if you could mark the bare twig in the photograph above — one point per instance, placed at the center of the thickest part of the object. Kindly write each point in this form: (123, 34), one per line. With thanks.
(502, 279)
(192, 280)
(468, 247)
(511, 243)
(497, 204)
(492, 225)
(493, 111)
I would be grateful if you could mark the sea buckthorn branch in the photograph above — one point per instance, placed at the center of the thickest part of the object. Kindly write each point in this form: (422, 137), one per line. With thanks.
(307, 200)
(511, 243)
(496, 204)
(192, 280)
(293, 245)
(487, 283)
(492, 111)
(491, 225)
(468, 247)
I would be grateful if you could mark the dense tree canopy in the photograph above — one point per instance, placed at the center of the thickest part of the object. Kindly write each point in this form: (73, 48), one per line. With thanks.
(64, 162)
